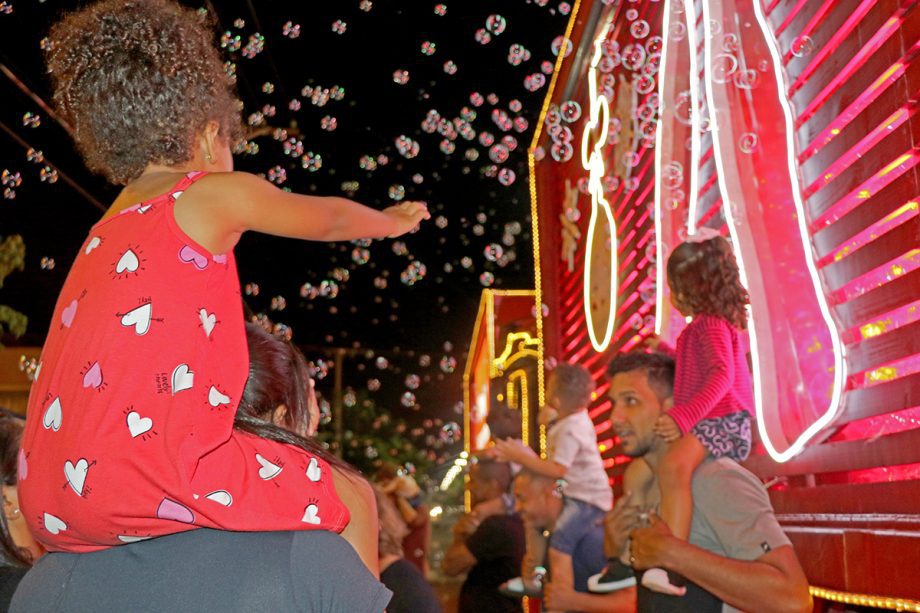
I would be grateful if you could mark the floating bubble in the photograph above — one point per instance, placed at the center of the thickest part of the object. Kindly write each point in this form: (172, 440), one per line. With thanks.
(746, 79)
(366, 5)
(380, 283)
(34, 155)
(407, 399)
(278, 303)
(339, 26)
(447, 146)
(802, 46)
(290, 29)
(48, 175)
(47, 263)
(329, 123)
(448, 364)
(382, 363)
(561, 151)
(311, 161)
(506, 176)
(450, 67)
(360, 255)
(428, 48)
(251, 289)
(748, 142)
(487, 279)
(633, 56)
(534, 81)
(413, 382)
(483, 37)
(476, 99)
(570, 111)
(639, 29)
(401, 77)
(493, 251)
(723, 66)
(440, 10)
(397, 192)
(496, 24)
(414, 273)
(31, 120)
(561, 44)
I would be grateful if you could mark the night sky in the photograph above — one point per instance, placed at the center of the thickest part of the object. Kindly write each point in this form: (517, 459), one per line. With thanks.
(378, 101)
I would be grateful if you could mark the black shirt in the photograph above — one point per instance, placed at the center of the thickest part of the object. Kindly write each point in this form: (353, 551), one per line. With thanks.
(411, 593)
(498, 546)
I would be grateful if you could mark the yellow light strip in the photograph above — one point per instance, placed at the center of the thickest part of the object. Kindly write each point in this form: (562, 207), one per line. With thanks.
(535, 218)
(864, 600)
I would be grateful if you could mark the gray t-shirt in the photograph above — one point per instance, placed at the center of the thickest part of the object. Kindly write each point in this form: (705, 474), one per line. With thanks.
(207, 570)
(733, 518)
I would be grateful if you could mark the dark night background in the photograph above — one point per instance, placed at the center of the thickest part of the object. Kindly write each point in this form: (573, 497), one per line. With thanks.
(419, 329)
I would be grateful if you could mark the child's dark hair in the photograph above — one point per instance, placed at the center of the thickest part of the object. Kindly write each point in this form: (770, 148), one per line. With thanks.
(573, 385)
(278, 376)
(11, 427)
(705, 277)
(137, 79)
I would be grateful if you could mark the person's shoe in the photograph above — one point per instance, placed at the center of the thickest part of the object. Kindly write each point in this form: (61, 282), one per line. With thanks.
(657, 580)
(518, 588)
(614, 577)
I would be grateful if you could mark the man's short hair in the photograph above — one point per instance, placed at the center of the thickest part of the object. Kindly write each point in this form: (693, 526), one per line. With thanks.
(658, 369)
(533, 477)
(573, 385)
(493, 470)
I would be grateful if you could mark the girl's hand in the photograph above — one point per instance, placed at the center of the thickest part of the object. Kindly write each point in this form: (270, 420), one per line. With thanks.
(652, 342)
(406, 215)
(666, 428)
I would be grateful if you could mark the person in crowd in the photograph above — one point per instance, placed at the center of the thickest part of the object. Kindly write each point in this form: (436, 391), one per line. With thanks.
(406, 495)
(488, 541)
(573, 458)
(145, 361)
(713, 394)
(540, 501)
(204, 569)
(17, 545)
(411, 593)
(737, 555)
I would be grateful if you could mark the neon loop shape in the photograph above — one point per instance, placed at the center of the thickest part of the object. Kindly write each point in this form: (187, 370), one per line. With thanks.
(593, 161)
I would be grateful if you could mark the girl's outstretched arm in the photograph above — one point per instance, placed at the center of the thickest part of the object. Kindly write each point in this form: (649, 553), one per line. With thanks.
(223, 205)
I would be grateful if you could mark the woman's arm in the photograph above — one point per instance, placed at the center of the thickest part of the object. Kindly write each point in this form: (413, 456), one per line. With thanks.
(362, 530)
(224, 205)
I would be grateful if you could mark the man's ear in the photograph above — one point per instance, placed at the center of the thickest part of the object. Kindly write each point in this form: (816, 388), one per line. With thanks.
(279, 415)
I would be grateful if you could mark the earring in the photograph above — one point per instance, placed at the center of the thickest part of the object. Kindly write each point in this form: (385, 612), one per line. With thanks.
(15, 513)
(208, 158)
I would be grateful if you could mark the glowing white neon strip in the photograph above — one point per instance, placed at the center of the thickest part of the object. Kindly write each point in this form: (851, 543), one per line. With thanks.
(695, 146)
(838, 349)
(593, 162)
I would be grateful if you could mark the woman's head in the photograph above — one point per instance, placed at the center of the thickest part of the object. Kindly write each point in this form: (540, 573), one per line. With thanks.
(703, 278)
(279, 389)
(14, 549)
(392, 527)
(141, 83)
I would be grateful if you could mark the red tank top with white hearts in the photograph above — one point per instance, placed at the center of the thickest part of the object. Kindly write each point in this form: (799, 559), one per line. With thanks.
(129, 432)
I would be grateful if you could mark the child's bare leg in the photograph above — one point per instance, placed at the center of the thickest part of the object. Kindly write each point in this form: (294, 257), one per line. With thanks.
(675, 474)
(362, 530)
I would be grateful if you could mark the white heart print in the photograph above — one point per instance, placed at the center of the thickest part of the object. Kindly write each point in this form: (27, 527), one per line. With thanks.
(221, 497)
(53, 524)
(313, 470)
(268, 469)
(128, 262)
(126, 538)
(182, 379)
(139, 318)
(208, 321)
(310, 515)
(217, 398)
(76, 474)
(53, 415)
(93, 243)
(138, 425)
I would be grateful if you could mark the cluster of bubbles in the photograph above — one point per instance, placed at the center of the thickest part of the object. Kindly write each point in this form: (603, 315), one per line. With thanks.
(413, 273)
(407, 147)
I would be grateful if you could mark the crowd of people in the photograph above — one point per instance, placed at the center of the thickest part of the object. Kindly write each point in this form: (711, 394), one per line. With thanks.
(167, 461)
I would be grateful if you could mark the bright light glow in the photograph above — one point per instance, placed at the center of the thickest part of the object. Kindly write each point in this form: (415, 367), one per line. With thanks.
(435, 512)
(593, 162)
(695, 146)
(840, 370)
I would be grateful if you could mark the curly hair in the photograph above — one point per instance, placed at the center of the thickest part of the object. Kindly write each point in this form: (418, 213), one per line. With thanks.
(137, 80)
(705, 277)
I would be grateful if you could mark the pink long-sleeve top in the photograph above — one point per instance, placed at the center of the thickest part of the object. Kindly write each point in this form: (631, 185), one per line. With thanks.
(711, 377)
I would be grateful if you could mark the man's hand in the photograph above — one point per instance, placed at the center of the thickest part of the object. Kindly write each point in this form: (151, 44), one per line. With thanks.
(558, 597)
(667, 428)
(512, 450)
(622, 519)
(466, 526)
(649, 546)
